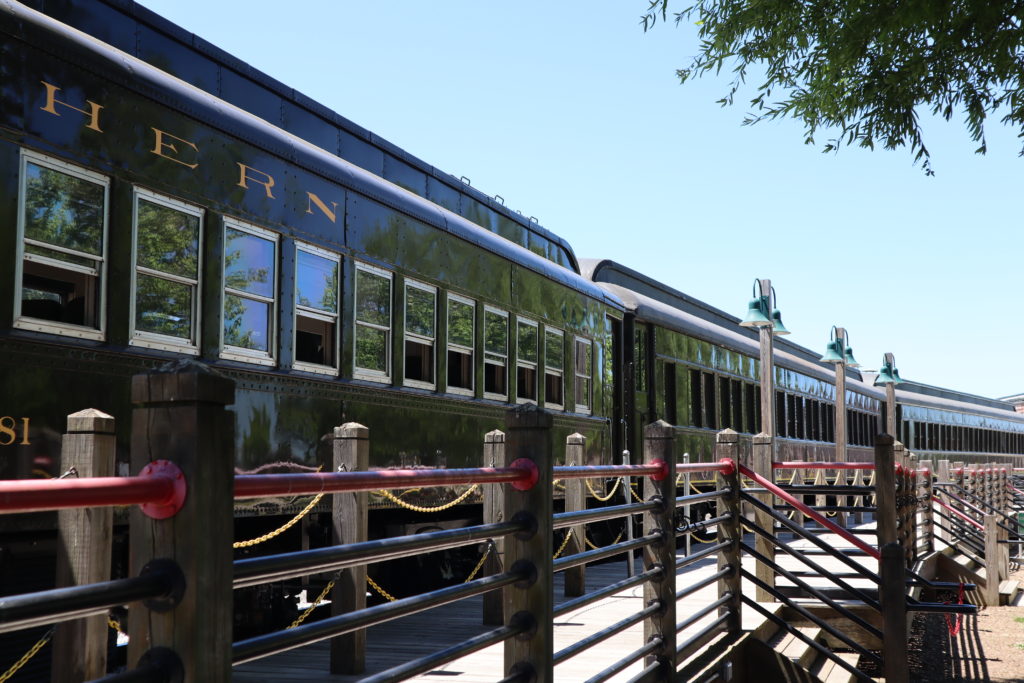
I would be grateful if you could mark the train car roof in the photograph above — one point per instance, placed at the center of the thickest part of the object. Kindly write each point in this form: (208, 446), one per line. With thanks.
(143, 33)
(661, 304)
(174, 93)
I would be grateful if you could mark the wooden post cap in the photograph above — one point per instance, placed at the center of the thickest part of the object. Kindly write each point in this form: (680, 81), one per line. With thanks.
(183, 380)
(727, 436)
(90, 421)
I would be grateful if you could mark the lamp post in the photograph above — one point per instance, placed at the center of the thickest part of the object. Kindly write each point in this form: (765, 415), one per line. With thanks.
(890, 377)
(762, 314)
(840, 354)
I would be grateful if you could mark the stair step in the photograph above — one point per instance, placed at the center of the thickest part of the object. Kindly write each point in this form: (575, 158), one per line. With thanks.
(796, 649)
(1008, 591)
(830, 672)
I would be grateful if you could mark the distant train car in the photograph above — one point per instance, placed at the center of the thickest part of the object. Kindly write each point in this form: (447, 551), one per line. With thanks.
(695, 367)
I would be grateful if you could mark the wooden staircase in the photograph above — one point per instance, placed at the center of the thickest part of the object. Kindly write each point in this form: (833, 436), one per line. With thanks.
(770, 653)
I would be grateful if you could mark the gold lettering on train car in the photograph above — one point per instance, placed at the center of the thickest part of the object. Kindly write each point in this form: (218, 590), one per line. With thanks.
(8, 435)
(244, 176)
(330, 213)
(159, 146)
(51, 101)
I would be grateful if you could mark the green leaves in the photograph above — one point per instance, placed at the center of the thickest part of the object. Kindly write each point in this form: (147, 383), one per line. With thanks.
(864, 69)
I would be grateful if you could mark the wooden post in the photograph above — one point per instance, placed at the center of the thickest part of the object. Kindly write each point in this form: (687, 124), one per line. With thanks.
(180, 416)
(731, 531)
(995, 571)
(840, 425)
(84, 547)
(494, 512)
(926, 508)
(529, 438)
(885, 490)
(762, 465)
(859, 501)
(659, 444)
(892, 594)
(942, 476)
(350, 517)
(575, 499)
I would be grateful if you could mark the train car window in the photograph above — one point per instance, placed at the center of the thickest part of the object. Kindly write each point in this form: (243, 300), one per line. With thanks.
(737, 404)
(781, 427)
(830, 422)
(710, 419)
(584, 372)
(166, 266)
(724, 407)
(554, 366)
(420, 333)
(696, 400)
(316, 309)
(461, 329)
(640, 358)
(495, 354)
(813, 420)
(62, 238)
(372, 313)
(526, 360)
(749, 401)
(669, 370)
(250, 286)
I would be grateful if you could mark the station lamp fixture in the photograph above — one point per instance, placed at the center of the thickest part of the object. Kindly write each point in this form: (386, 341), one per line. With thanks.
(761, 310)
(888, 374)
(838, 351)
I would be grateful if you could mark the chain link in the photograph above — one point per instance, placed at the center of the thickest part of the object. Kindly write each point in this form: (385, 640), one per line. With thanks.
(27, 656)
(480, 564)
(636, 496)
(597, 495)
(591, 545)
(112, 623)
(383, 593)
(277, 532)
(565, 542)
(419, 508)
(309, 610)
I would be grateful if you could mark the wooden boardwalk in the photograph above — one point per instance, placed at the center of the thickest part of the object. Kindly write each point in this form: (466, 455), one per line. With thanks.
(404, 639)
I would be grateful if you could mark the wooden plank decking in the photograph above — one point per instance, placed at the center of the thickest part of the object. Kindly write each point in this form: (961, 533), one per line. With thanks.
(405, 639)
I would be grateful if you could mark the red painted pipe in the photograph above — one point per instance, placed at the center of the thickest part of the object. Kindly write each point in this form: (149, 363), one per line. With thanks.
(160, 486)
(262, 485)
(959, 514)
(813, 514)
(652, 469)
(814, 465)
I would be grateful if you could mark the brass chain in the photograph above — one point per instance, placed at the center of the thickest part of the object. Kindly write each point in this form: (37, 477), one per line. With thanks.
(277, 532)
(112, 623)
(594, 547)
(27, 656)
(323, 594)
(480, 564)
(597, 495)
(636, 496)
(565, 542)
(383, 593)
(419, 508)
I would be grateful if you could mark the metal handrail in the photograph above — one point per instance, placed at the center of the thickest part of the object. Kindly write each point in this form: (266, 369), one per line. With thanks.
(799, 505)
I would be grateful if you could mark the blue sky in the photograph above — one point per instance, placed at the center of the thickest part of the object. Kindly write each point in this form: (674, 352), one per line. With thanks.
(574, 115)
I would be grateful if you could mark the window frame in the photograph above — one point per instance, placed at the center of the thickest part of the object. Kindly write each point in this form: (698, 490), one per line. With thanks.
(587, 408)
(508, 329)
(418, 338)
(368, 373)
(29, 323)
(554, 372)
(528, 365)
(240, 353)
(155, 340)
(315, 313)
(459, 348)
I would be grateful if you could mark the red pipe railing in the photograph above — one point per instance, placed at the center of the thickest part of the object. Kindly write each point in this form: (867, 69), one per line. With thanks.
(656, 470)
(810, 512)
(159, 488)
(958, 513)
(800, 465)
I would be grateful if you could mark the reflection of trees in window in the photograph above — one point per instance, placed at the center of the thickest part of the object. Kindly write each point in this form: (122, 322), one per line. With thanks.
(526, 360)
(63, 224)
(420, 321)
(167, 269)
(584, 369)
(461, 319)
(316, 306)
(496, 353)
(372, 321)
(250, 279)
(554, 360)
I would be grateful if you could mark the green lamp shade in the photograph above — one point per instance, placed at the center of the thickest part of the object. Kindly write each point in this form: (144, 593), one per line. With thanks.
(896, 375)
(777, 326)
(886, 375)
(850, 360)
(833, 352)
(755, 315)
